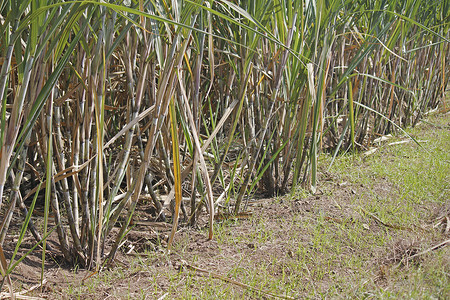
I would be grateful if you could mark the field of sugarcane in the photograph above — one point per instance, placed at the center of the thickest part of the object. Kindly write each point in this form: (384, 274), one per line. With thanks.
(192, 108)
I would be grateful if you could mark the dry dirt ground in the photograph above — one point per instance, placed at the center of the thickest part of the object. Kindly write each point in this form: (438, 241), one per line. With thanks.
(362, 235)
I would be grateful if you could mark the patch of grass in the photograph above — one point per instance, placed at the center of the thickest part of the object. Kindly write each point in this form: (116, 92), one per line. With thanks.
(405, 186)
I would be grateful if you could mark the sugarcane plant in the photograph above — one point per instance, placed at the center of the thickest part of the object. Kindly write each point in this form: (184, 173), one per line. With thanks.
(194, 105)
